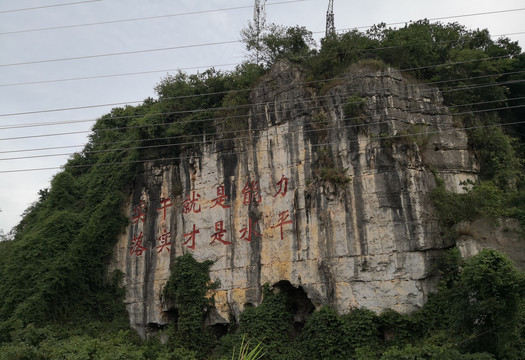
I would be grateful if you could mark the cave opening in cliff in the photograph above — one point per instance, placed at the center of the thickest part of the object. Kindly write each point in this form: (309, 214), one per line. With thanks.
(172, 315)
(219, 330)
(298, 302)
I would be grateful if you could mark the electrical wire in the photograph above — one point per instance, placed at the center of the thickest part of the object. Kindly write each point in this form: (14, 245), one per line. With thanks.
(64, 122)
(123, 53)
(239, 135)
(43, 149)
(192, 121)
(48, 6)
(403, 70)
(118, 75)
(441, 18)
(144, 18)
(166, 159)
(248, 89)
(304, 131)
(195, 67)
(205, 44)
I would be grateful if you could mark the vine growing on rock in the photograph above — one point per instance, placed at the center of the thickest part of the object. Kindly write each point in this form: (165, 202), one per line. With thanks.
(189, 288)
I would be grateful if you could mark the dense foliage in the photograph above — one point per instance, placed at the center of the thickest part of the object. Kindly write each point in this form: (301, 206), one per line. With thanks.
(188, 287)
(478, 313)
(56, 300)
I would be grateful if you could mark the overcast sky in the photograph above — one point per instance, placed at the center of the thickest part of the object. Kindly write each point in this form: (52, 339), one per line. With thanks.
(33, 53)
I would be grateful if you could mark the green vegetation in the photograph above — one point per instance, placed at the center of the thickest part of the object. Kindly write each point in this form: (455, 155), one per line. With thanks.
(246, 354)
(278, 42)
(327, 170)
(187, 288)
(498, 193)
(354, 109)
(478, 313)
(58, 302)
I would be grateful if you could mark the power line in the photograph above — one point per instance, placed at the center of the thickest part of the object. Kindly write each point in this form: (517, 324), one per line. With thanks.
(203, 120)
(230, 108)
(258, 151)
(48, 6)
(214, 43)
(122, 53)
(478, 86)
(230, 9)
(121, 74)
(216, 119)
(31, 125)
(42, 149)
(238, 134)
(54, 123)
(143, 18)
(209, 66)
(224, 92)
(442, 18)
(242, 135)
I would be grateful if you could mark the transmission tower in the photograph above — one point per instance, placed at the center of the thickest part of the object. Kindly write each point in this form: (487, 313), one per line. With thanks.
(259, 15)
(330, 26)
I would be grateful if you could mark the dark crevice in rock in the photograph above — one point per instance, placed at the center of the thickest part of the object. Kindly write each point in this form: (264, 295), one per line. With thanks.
(298, 302)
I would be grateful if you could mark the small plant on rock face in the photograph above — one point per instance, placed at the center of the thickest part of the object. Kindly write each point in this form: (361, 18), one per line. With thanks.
(415, 134)
(354, 109)
(328, 171)
(334, 175)
(320, 121)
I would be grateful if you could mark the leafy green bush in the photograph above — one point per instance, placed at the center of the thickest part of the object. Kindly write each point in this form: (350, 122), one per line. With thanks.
(322, 336)
(488, 305)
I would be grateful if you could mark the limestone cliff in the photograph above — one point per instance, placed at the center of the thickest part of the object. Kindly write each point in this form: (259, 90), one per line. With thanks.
(328, 190)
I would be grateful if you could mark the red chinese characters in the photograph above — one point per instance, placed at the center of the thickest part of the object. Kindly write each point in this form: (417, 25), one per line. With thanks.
(136, 245)
(164, 241)
(191, 237)
(190, 204)
(164, 205)
(219, 233)
(283, 216)
(251, 193)
(248, 232)
(220, 199)
(139, 213)
(283, 186)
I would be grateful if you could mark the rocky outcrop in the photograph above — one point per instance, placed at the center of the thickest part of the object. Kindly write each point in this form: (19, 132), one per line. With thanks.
(502, 234)
(327, 191)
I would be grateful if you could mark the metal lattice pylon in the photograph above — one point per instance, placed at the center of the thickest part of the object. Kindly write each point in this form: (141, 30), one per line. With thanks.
(330, 25)
(259, 15)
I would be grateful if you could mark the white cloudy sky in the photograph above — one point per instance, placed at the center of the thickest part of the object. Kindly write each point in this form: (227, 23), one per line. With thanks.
(25, 53)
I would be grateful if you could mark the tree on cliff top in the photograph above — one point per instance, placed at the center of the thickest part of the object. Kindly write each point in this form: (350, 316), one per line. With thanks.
(277, 42)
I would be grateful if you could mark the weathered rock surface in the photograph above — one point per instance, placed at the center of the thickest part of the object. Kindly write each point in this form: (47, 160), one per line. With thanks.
(275, 204)
(502, 234)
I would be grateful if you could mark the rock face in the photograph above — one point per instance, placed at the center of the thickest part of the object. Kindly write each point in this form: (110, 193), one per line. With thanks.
(503, 234)
(327, 191)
